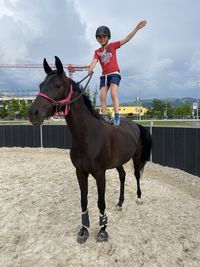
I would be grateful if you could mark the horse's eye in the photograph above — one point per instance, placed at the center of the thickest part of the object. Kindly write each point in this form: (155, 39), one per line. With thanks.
(58, 85)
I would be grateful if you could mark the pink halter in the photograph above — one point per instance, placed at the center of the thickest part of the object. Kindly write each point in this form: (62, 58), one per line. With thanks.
(60, 102)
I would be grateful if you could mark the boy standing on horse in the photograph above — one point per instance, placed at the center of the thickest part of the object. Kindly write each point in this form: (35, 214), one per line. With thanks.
(110, 78)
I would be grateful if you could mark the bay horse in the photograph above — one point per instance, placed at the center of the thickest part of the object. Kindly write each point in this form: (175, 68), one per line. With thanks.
(96, 145)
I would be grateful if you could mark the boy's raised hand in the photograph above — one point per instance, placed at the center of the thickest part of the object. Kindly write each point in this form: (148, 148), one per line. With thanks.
(141, 24)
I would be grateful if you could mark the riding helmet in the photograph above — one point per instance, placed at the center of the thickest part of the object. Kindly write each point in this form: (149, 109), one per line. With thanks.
(103, 30)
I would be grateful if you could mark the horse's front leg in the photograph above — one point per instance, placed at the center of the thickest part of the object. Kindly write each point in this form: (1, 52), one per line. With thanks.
(83, 233)
(103, 219)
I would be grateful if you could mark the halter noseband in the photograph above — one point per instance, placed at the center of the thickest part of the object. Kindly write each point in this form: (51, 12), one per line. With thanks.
(67, 101)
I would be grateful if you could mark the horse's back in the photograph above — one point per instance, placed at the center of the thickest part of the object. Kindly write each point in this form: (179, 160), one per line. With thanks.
(120, 143)
(130, 127)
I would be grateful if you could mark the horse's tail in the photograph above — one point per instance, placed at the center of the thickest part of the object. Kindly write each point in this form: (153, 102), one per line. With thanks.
(146, 143)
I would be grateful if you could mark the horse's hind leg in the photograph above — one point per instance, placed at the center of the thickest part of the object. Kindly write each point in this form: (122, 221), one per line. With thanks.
(139, 166)
(122, 175)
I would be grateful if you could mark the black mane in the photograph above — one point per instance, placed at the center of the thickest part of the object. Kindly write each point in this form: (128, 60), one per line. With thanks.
(78, 88)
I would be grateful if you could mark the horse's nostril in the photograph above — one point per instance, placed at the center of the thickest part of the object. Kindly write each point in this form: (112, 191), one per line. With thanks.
(35, 112)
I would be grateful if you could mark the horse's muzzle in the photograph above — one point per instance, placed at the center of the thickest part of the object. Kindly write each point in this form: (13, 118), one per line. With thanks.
(35, 116)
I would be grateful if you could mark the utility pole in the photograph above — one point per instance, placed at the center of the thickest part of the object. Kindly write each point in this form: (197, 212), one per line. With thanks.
(198, 82)
(166, 110)
(140, 106)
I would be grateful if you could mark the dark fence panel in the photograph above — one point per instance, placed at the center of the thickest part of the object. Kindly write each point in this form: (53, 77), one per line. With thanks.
(177, 147)
(30, 136)
(19, 135)
(198, 153)
(173, 147)
(56, 136)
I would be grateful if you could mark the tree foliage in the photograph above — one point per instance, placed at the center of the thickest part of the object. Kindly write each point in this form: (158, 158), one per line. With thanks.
(94, 97)
(184, 110)
(23, 109)
(14, 109)
(162, 109)
(3, 111)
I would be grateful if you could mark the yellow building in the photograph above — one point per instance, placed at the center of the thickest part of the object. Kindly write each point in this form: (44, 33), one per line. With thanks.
(128, 110)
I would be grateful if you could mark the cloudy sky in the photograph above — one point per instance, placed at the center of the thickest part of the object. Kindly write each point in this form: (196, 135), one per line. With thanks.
(161, 61)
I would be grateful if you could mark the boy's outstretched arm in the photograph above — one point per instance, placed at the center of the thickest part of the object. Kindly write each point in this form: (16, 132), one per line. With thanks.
(92, 65)
(140, 25)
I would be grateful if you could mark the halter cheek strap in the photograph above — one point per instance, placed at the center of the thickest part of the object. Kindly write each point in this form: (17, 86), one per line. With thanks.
(59, 103)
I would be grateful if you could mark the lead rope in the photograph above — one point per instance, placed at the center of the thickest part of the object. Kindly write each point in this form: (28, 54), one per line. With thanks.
(83, 90)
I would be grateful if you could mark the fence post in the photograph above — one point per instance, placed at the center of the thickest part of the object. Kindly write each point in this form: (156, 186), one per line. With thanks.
(151, 131)
(41, 137)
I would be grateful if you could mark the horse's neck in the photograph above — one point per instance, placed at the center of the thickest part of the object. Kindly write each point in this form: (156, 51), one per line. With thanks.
(80, 121)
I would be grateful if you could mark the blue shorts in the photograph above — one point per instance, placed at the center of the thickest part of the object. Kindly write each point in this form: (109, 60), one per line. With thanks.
(111, 78)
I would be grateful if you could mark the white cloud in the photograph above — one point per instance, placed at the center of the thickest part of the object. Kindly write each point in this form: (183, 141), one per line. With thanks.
(163, 59)
(32, 30)
(194, 64)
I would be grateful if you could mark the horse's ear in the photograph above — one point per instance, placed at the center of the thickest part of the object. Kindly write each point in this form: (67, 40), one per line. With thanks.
(58, 64)
(46, 66)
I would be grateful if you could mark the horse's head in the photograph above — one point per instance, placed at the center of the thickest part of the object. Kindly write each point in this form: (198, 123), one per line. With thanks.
(55, 88)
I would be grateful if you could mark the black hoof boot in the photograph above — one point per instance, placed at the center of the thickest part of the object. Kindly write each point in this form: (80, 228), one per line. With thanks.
(102, 236)
(83, 235)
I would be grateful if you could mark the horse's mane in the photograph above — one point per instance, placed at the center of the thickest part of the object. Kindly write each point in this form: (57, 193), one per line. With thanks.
(88, 103)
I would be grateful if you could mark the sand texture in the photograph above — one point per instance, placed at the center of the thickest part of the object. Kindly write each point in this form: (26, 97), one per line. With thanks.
(40, 215)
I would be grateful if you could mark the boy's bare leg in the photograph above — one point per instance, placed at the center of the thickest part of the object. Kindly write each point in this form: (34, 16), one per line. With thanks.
(114, 96)
(103, 94)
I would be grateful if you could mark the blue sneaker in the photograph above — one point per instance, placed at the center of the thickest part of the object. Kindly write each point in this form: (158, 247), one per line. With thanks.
(116, 122)
(116, 119)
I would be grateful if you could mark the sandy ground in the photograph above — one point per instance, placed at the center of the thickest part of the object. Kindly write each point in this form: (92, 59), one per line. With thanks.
(40, 215)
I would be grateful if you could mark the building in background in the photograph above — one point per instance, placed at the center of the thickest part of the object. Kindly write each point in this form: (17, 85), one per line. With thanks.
(6, 99)
(128, 110)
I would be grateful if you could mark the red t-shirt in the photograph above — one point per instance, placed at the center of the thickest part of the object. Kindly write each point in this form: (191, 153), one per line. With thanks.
(107, 57)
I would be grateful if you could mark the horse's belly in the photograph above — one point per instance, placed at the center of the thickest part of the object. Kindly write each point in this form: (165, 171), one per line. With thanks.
(119, 160)
(123, 153)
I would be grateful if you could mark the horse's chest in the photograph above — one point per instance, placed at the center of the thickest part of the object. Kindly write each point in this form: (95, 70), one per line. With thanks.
(82, 160)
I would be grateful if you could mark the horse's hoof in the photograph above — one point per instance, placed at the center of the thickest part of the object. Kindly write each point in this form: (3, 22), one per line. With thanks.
(118, 208)
(102, 236)
(82, 236)
(139, 201)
